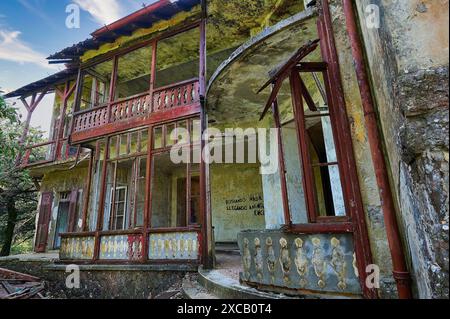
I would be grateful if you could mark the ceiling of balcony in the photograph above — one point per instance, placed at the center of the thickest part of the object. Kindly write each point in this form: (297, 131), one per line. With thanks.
(232, 89)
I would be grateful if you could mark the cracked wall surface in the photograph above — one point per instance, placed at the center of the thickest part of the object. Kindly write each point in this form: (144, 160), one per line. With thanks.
(409, 73)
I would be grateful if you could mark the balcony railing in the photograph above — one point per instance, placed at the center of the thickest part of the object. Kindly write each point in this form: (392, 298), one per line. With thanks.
(168, 245)
(48, 152)
(139, 106)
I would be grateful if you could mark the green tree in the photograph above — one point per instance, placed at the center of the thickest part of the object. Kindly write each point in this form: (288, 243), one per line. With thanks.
(18, 192)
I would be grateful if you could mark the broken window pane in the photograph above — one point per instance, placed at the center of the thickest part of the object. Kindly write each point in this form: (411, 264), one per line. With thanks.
(122, 201)
(109, 195)
(182, 132)
(79, 212)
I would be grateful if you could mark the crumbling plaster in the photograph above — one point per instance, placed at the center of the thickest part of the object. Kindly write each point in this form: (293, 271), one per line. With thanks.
(409, 73)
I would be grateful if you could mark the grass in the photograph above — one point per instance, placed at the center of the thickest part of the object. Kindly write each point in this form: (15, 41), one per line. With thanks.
(23, 248)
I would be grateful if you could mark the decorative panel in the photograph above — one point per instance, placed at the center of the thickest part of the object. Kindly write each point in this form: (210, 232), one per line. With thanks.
(77, 248)
(174, 246)
(321, 263)
(123, 247)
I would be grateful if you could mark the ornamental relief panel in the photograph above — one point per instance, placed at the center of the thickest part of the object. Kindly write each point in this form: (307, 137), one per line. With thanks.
(323, 263)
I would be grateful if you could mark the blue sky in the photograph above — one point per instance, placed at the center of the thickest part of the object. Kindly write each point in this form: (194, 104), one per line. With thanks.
(31, 30)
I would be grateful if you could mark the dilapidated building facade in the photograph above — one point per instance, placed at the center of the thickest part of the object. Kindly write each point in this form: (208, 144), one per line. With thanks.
(356, 95)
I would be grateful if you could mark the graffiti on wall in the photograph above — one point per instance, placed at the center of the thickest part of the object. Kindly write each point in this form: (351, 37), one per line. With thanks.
(253, 203)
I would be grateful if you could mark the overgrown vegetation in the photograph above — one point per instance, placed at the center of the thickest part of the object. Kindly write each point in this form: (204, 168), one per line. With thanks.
(18, 192)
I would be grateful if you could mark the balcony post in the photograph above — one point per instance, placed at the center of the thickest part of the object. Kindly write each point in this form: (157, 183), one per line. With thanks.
(68, 91)
(30, 107)
(207, 236)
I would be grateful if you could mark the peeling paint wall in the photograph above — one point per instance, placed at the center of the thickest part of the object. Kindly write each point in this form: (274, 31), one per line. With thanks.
(361, 149)
(409, 73)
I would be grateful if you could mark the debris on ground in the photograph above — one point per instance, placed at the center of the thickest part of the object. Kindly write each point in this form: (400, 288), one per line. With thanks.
(14, 285)
(175, 291)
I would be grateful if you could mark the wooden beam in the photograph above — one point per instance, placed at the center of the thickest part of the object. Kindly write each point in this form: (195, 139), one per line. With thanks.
(273, 95)
(292, 61)
(309, 100)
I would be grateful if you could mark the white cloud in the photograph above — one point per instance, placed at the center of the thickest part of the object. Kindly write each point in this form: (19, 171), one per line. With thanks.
(12, 48)
(103, 11)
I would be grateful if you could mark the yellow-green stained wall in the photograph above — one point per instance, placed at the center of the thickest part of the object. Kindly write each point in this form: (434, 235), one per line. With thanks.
(236, 194)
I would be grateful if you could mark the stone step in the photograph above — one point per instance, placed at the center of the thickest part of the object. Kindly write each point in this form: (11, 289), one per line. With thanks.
(191, 289)
(227, 248)
(222, 287)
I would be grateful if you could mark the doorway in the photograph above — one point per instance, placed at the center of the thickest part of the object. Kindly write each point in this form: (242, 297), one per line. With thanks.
(62, 221)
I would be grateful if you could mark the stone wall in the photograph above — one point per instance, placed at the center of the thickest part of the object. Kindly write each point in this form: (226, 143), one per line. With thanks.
(101, 282)
(409, 73)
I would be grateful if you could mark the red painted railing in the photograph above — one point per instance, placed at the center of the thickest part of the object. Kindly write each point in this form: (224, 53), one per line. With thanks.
(90, 119)
(173, 96)
(139, 106)
(39, 154)
(132, 107)
(48, 152)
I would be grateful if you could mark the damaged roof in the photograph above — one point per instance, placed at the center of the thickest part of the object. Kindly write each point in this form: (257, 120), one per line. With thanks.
(49, 82)
(144, 18)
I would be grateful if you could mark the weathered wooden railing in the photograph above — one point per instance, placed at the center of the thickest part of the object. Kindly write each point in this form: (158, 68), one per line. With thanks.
(185, 93)
(139, 106)
(48, 152)
(182, 245)
(39, 154)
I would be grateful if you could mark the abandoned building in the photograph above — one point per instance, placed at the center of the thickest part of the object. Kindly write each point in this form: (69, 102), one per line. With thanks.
(360, 109)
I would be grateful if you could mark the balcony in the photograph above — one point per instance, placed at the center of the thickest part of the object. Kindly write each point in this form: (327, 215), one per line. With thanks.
(181, 99)
(151, 246)
(48, 152)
